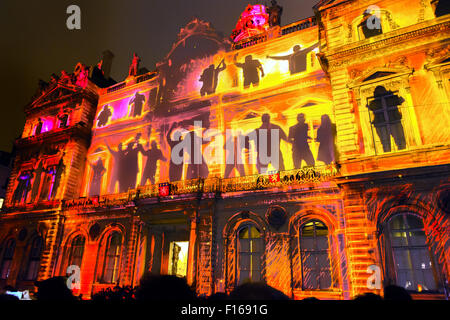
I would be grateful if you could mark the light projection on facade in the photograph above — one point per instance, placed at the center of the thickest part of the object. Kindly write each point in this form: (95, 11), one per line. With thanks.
(131, 133)
(305, 156)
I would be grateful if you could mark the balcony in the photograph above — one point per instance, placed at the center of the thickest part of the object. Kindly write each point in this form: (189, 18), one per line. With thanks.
(288, 178)
(263, 37)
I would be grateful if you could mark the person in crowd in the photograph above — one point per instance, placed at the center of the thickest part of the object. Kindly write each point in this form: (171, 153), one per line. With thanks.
(396, 293)
(164, 288)
(257, 291)
(54, 289)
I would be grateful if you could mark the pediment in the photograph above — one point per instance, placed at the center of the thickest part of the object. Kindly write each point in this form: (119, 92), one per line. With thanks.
(376, 74)
(56, 93)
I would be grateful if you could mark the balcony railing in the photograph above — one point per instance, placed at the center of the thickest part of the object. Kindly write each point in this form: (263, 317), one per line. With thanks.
(288, 178)
(293, 27)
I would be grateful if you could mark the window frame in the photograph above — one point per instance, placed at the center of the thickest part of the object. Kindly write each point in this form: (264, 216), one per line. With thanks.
(8, 257)
(391, 270)
(117, 256)
(316, 251)
(70, 257)
(376, 140)
(34, 260)
(248, 226)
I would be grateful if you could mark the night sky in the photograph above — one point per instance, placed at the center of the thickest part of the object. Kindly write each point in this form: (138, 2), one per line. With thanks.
(35, 41)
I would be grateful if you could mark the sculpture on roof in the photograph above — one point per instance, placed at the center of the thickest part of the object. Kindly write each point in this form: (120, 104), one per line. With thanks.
(275, 12)
(134, 66)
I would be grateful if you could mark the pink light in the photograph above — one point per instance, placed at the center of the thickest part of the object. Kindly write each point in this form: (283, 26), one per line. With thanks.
(253, 20)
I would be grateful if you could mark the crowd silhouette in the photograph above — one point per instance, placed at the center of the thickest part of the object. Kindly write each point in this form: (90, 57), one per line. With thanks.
(171, 288)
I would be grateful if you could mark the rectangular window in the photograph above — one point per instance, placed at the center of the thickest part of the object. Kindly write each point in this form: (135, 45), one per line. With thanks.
(386, 121)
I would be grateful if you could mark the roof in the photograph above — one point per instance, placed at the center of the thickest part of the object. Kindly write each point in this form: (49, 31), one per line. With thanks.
(325, 4)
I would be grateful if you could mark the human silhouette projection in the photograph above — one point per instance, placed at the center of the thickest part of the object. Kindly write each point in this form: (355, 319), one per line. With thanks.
(250, 69)
(47, 183)
(196, 170)
(297, 59)
(117, 173)
(210, 78)
(274, 12)
(325, 136)
(138, 103)
(153, 154)
(39, 127)
(175, 170)
(23, 187)
(267, 125)
(232, 157)
(130, 162)
(103, 116)
(387, 118)
(37, 180)
(60, 168)
(98, 170)
(298, 136)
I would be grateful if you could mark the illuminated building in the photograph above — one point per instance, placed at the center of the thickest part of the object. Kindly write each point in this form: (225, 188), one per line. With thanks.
(359, 99)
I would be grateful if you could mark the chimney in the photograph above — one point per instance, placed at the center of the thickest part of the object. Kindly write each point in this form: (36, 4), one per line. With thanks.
(107, 63)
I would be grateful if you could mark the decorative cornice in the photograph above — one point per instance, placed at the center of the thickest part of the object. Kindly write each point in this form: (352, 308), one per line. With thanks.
(336, 57)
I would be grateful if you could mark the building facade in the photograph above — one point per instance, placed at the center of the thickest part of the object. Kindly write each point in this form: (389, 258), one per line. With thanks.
(312, 156)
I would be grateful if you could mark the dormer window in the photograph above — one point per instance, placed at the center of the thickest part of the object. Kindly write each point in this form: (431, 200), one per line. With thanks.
(441, 7)
(370, 24)
(63, 121)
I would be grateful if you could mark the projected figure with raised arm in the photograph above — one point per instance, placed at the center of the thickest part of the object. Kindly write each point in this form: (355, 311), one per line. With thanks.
(297, 59)
(210, 78)
(98, 170)
(138, 102)
(153, 154)
(175, 170)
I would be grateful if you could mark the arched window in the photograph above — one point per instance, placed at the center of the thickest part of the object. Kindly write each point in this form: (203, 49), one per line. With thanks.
(34, 259)
(8, 255)
(314, 253)
(76, 251)
(249, 252)
(110, 269)
(411, 257)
